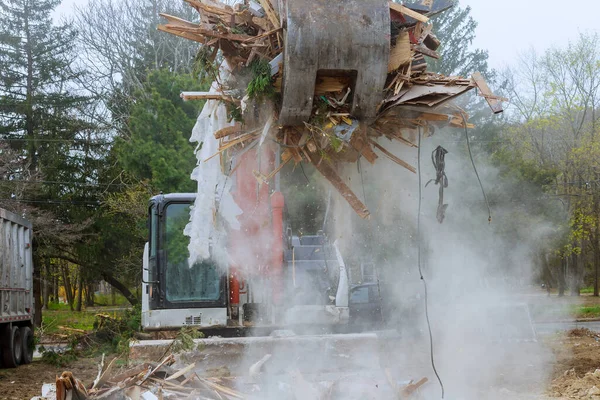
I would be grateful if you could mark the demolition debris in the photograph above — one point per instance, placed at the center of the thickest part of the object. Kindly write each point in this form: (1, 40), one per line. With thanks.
(153, 381)
(340, 125)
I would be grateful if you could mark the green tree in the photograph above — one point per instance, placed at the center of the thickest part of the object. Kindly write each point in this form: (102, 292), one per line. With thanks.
(456, 30)
(552, 140)
(44, 120)
(157, 148)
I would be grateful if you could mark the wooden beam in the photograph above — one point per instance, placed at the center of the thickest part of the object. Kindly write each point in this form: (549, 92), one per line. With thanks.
(208, 96)
(426, 51)
(393, 157)
(186, 35)
(198, 5)
(408, 12)
(205, 31)
(493, 102)
(401, 53)
(360, 144)
(271, 14)
(178, 21)
(327, 170)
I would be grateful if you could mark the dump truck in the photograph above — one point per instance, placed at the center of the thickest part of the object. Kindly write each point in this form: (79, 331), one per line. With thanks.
(16, 290)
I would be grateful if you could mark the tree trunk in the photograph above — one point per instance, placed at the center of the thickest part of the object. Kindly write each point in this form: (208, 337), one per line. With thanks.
(80, 293)
(67, 283)
(111, 280)
(37, 289)
(596, 267)
(55, 285)
(575, 278)
(89, 295)
(562, 282)
(46, 284)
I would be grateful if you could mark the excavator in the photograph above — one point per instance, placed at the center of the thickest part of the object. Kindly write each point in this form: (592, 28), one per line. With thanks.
(296, 292)
(296, 280)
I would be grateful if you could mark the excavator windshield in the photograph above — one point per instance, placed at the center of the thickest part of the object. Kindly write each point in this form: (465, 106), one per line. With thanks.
(199, 282)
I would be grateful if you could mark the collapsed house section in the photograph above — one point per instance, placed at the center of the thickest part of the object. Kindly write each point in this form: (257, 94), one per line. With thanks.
(326, 81)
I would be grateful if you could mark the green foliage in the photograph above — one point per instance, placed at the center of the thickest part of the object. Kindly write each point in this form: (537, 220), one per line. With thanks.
(184, 341)
(587, 311)
(57, 316)
(114, 334)
(456, 30)
(58, 358)
(234, 112)
(107, 300)
(261, 84)
(205, 67)
(158, 148)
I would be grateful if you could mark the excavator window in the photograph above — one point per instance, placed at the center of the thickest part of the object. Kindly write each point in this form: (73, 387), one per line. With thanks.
(199, 282)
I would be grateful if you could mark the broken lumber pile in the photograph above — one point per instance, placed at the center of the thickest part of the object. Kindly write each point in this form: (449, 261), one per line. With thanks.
(250, 37)
(153, 381)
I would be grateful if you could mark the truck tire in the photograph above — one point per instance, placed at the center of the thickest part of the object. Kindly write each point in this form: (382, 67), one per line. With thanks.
(12, 347)
(28, 345)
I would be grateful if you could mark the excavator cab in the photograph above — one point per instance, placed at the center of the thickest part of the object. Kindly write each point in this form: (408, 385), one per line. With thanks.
(175, 294)
(312, 287)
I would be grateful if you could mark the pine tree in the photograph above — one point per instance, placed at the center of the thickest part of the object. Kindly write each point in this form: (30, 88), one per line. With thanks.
(36, 91)
(42, 118)
(456, 30)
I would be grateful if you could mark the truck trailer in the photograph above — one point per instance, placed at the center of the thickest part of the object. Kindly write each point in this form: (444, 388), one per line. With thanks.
(16, 290)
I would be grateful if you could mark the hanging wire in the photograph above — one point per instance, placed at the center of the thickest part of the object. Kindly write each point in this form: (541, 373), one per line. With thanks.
(419, 263)
(487, 203)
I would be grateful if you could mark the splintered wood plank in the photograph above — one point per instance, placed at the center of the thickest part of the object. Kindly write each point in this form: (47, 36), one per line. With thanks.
(228, 131)
(178, 21)
(434, 117)
(186, 35)
(271, 14)
(394, 158)
(411, 388)
(396, 134)
(330, 84)
(209, 32)
(360, 144)
(208, 96)
(426, 51)
(198, 5)
(493, 102)
(401, 53)
(408, 12)
(327, 170)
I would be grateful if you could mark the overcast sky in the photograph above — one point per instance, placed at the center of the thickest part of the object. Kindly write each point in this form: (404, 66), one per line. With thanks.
(508, 27)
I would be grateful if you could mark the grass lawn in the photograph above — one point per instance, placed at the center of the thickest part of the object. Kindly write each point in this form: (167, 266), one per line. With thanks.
(61, 315)
(587, 311)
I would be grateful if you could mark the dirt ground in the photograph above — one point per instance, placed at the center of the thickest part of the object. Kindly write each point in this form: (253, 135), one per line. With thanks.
(26, 381)
(577, 368)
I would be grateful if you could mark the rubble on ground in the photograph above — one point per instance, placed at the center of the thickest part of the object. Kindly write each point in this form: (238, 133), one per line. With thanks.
(173, 379)
(572, 387)
(250, 37)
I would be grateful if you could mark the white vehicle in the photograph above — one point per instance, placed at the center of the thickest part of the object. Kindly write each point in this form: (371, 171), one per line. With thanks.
(305, 281)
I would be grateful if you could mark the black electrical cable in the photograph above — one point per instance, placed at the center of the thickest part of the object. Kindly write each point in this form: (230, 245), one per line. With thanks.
(431, 350)
(487, 203)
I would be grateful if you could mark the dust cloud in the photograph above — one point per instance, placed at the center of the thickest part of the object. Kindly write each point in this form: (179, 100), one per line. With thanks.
(478, 275)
